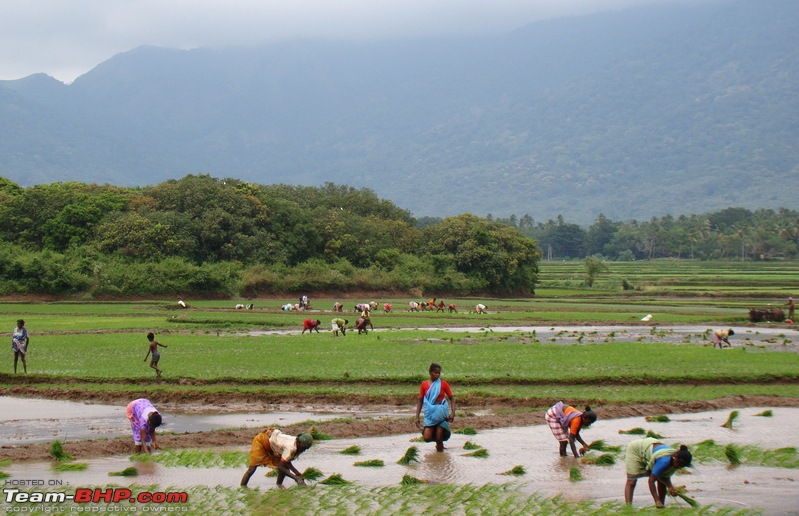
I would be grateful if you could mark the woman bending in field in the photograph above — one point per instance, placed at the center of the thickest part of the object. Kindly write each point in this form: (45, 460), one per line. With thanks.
(650, 458)
(566, 423)
(433, 395)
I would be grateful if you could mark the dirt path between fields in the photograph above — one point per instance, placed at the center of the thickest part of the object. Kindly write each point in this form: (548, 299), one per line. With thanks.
(494, 414)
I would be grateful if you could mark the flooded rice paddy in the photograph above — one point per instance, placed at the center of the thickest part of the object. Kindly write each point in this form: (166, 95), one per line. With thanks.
(773, 490)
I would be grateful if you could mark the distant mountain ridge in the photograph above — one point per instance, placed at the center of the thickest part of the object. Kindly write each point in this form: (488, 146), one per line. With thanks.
(667, 109)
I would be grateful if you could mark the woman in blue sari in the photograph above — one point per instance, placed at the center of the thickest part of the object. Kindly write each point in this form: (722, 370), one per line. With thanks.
(435, 395)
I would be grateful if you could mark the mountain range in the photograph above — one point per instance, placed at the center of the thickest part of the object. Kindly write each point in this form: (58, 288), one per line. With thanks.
(671, 108)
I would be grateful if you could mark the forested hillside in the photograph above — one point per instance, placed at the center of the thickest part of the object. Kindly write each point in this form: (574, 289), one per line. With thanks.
(674, 108)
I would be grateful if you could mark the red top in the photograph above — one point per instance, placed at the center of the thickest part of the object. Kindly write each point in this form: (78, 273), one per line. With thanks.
(445, 390)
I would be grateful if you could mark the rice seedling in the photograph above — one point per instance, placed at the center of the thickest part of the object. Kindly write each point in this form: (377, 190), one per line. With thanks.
(466, 431)
(58, 453)
(605, 459)
(600, 445)
(469, 445)
(732, 452)
(319, 436)
(574, 474)
(3, 474)
(482, 453)
(408, 480)
(312, 473)
(335, 480)
(127, 472)
(419, 439)
(650, 433)
(515, 471)
(682, 495)
(662, 418)
(351, 450)
(766, 413)
(732, 417)
(4, 463)
(633, 431)
(189, 458)
(372, 463)
(411, 455)
(71, 466)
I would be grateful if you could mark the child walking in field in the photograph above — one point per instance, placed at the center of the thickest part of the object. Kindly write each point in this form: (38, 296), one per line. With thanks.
(156, 355)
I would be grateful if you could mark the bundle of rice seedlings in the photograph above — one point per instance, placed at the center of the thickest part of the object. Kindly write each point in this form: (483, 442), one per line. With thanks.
(466, 431)
(127, 472)
(3, 474)
(658, 419)
(351, 450)
(732, 417)
(766, 413)
(411, 455)
(318, 436)
(482, 453)
(574, 474)
(335, 480)
(419, 439)
(605, 459)
(372, 463)
(600, 445)
(4, 463)
(469, 445)
(71, 466)
(58, 453)
(733, 454)
(515, 471)
(650, 433)
(408, 480)
(633, 431)
(681, 494)
(311, 473)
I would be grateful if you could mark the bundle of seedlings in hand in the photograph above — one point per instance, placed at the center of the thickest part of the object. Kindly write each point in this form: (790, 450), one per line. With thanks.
(411, 455)
(58, 453)
(600, 445)
(515, 471)
(732, 417)
(574, 474)
(351, 450)
(681, 494)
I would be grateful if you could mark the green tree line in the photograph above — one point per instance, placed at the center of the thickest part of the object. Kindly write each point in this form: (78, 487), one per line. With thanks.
(205, 236)
(731, 233)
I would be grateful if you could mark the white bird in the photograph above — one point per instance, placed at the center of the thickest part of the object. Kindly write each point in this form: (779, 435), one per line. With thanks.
(647, 317)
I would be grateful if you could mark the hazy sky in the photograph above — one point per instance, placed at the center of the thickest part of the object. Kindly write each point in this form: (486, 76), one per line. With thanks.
(66, 38)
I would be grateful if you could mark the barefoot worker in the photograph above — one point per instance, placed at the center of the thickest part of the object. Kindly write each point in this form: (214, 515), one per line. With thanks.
(566, 423)
(144, 419)
(19, 345)
(433, 395)
(274, 449)
(651, 458)
(156, 355)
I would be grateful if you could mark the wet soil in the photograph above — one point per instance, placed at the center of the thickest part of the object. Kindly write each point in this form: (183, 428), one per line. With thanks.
(491, 414)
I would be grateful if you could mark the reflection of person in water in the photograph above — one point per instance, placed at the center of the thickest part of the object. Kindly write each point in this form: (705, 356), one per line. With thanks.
(274, 449)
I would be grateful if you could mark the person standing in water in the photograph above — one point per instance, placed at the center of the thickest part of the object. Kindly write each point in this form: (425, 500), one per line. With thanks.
(434, 395)
(19, 345)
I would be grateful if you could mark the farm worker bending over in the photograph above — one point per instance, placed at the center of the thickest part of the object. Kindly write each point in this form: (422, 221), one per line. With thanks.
(339, 325)
(722, 336)
(144, 419)
(566, 422)
(274, 449)
(309, 325)
(649, 457)
(433, 395)
(480, 308)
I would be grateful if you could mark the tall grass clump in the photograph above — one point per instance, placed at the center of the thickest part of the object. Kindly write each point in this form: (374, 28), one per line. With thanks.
(732, 417)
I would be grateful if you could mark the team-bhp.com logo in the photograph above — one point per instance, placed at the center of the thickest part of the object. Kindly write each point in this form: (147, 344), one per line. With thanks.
(94, 496)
